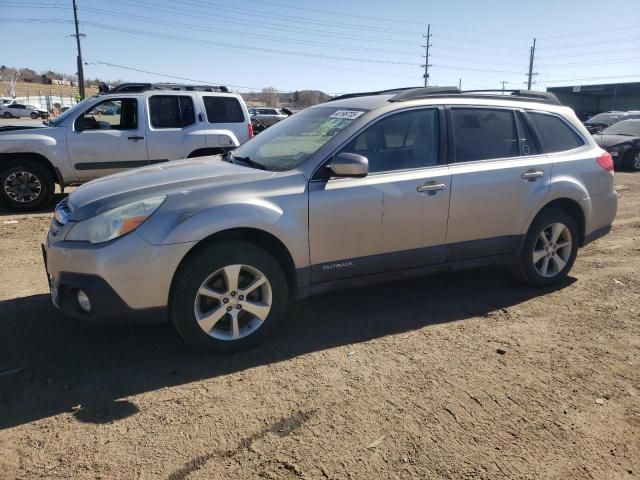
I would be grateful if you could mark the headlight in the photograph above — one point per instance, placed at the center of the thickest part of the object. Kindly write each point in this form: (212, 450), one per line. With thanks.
(114, 223)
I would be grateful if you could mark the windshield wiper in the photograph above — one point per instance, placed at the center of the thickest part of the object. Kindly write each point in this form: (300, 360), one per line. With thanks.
(248, 161)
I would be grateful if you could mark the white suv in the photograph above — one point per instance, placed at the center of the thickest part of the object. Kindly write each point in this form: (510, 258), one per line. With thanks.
(129, 126)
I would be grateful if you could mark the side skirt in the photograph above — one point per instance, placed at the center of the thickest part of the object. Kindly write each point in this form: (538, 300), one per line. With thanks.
(355, 282)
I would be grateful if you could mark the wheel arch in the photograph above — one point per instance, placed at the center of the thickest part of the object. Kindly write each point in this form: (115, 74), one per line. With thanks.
(260, 238)
(571, 207)
(44, 161)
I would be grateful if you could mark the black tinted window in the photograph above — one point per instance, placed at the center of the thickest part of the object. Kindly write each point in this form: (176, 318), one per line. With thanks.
(171, 111)
(223, 110)
(555, 135)
(401, 141)
(482, 134)
(526, 142)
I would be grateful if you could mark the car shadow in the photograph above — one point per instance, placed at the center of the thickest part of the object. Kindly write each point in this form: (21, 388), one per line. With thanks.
(50, 364)
(48, 208)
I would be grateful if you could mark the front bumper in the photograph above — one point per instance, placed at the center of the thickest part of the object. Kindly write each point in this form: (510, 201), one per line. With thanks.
(122, 278)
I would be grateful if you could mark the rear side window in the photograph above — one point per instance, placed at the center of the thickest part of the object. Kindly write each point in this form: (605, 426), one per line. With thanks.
(223, 110)
(527, 142)
(171, 111)
(555, 135)
(483, 134)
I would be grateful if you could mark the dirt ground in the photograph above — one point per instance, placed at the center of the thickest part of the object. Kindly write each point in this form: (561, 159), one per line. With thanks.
(465, 376)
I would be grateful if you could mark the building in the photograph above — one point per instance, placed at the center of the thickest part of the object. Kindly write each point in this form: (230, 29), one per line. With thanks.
(587, 100)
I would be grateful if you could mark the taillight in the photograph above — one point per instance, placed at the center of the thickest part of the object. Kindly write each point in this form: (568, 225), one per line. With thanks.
(250, 128)
(605, 161)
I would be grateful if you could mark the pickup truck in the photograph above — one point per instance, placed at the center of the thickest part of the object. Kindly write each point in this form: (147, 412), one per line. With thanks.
(129, 126)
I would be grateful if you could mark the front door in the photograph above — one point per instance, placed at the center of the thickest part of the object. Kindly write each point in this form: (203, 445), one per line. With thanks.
(107, 138)
(393, 219)
(497, 177)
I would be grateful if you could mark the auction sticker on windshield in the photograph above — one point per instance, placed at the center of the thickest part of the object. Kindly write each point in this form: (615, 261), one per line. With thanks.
(348, 114)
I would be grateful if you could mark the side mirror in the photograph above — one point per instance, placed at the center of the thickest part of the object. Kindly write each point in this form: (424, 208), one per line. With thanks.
(349, 165)
(86, 123)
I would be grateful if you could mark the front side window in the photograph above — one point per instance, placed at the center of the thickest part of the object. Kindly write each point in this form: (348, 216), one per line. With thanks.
(484, 134)
(555, 135)
(223, 109)
(171, 111)
(402, 141)
(113, 114)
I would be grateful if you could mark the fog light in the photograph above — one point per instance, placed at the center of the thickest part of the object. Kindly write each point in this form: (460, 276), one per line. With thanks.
(83, 301)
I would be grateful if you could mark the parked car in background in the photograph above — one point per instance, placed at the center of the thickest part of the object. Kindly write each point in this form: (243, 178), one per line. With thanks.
(364, 188)
(602, 120)
(269, 116)
(622, 141)
(18, 110)
(131, 126)
(630, 115)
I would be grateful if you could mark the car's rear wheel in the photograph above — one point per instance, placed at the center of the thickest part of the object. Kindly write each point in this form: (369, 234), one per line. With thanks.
(6, 115)
(228, 297)
(632, 161)
(34, 115)
(549, 250)
(25, 185)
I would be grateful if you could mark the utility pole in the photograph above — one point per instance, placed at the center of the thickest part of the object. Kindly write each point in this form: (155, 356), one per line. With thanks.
(77, 35)
(426, 55)
(503, 84)
(531, 57)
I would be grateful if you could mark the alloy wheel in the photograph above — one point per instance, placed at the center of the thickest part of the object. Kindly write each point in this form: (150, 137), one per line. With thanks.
(22, 187)
(552, 249)
(233, 302)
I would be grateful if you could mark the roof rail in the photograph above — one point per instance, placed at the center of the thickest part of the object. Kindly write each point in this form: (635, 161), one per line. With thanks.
(366, 94)
(144, 87)
(544, 97)
(423, 92)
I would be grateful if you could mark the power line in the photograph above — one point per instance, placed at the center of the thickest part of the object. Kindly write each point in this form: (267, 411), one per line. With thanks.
(235, 33)
(262, 25)
(590, 33)
(242, 48)
(307, 20)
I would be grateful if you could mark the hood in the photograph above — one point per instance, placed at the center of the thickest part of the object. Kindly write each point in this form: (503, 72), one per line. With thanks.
(605, 141)
(13, 128)
(177, 176)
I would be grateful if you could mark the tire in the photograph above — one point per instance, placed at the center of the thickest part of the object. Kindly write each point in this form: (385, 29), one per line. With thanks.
(559, 260)
(7, 115)
(632, 161)
(206, 271)
(34, 115)
(14, 174)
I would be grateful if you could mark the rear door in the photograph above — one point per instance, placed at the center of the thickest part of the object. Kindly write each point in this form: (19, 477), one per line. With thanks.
(225, 112)
(498, 175)
(174, 130)
(108, 137)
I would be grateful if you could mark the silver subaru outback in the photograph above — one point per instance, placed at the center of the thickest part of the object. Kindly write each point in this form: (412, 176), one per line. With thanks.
(364, 188)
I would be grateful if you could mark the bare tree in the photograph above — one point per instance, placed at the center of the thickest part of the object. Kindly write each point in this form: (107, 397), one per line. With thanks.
(270, 96)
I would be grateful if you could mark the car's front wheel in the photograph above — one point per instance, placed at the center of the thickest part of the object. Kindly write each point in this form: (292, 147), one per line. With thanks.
(34, 115)
(228, 297)
(549, 250)
(25, 185)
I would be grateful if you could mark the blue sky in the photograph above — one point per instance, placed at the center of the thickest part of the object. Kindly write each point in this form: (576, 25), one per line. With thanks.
(336, 45)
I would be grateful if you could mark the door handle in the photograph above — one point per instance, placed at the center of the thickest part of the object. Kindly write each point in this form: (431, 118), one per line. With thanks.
(135, 138)
(531, 175)
(431, 187)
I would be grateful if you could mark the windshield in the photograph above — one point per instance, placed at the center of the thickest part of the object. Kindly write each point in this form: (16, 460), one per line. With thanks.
(603, 119)
(54, 122)
(628, 127)
(290, 142)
